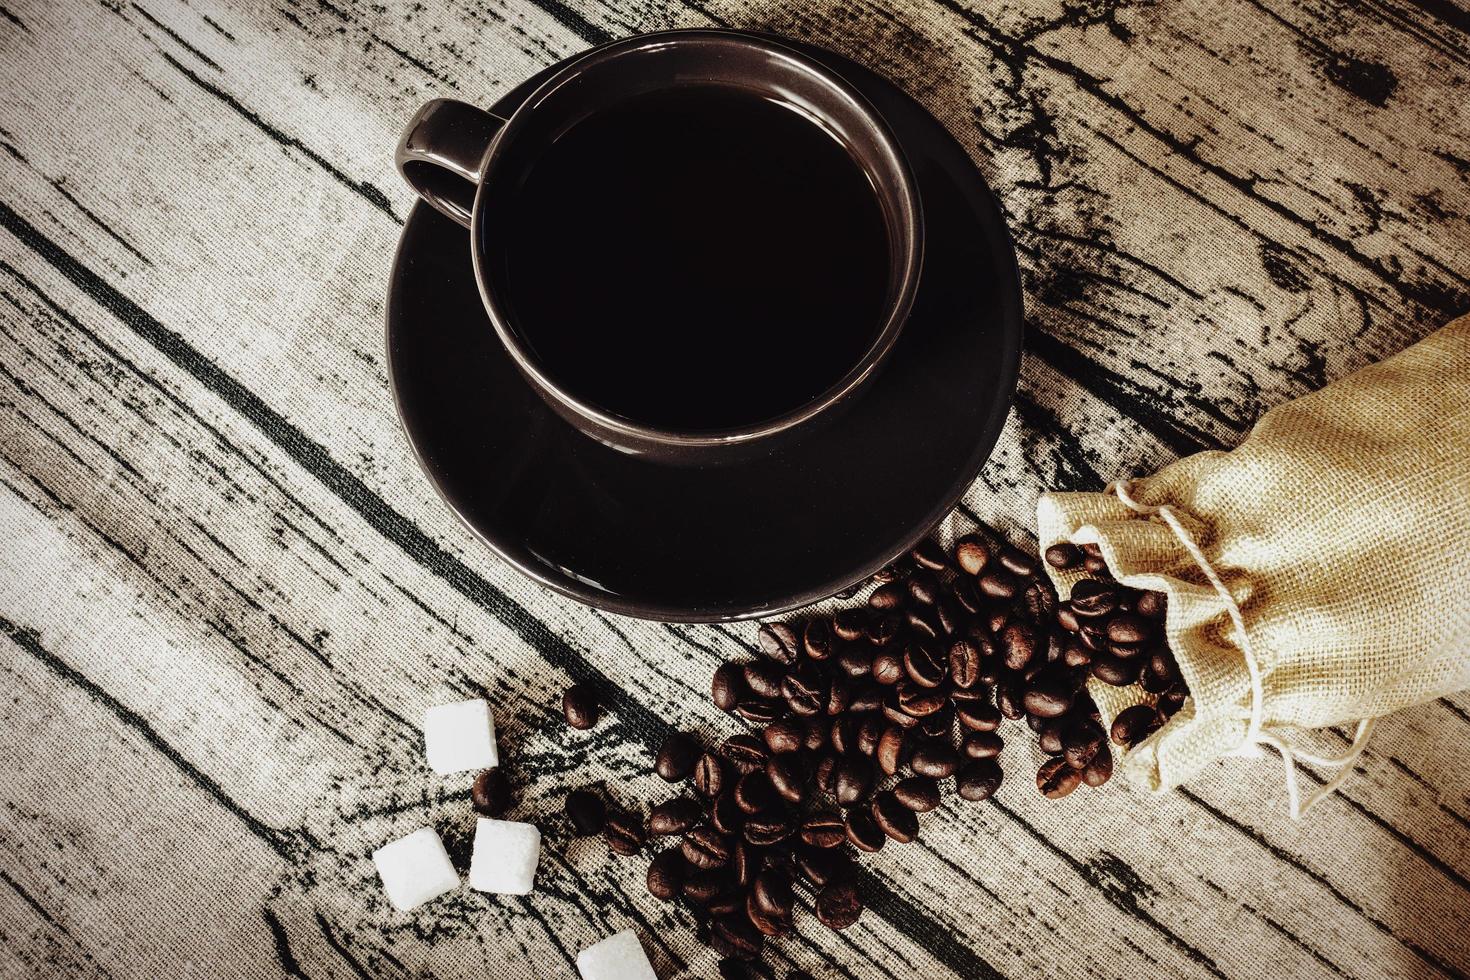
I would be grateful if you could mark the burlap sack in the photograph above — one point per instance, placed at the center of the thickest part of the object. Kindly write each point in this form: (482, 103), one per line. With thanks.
(1337, 534)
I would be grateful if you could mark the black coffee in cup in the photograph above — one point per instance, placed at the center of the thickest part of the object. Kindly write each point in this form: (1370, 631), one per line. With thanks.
(695, 258)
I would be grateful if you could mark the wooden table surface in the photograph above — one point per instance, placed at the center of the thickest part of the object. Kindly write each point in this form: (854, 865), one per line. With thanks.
(227, 594)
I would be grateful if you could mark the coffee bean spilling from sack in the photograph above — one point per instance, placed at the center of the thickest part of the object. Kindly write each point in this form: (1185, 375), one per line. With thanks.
(859, 720)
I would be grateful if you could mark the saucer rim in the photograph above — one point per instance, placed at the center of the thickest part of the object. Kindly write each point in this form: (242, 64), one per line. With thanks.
(1011, 314)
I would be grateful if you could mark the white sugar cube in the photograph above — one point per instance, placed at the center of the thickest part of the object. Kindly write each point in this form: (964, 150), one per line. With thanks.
(460, 736)
(618, 957)
(415, 869)
(505, 856)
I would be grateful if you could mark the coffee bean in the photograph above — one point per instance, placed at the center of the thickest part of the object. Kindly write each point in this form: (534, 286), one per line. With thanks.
(1050, 694)
(728, 686)
(676, 757)
(491, 793)
(1164, 668)
(770, 827)
(894, 818)
(1018, 643)
(928, 554)
(918, 793)
(1040, 602)
(868, 731)
(1094, 550)
(1009, 691)
(703, 887)
(922, 623)
(1133, 725)
(939, 724)
(884, 630)
(838, 905)
(705, 848)
(822, 829)
(709, 775)
(1037, 724)
(1049, 739)
(852, 780)
(978, 780)
(924, 665)
(784, 735)
(848, 624)
(732, 969)
(623, 831)
(1081, 741)
(824, 774)
(744, 752)
(1066, 618)
(1055, 779)
(779, 642)
(673, 817)
(920, 701)
(738, 936)
(999, 584)
(888, 667)
(886, 597)
(967, 595)
(865, 696)
(890, 751)
(1091, 599)
(1094, 636)
(1115, 670)
(821, 865)
(1064, 556)
(666, 874)
(746, 861)
(982, 745)
(964, 663)
(759, 711)
(952, 620)
(754, 792)
(978, 716)
(843, 735)
(839, 695)
(725, 814)
(1126, 628)
(895, 714)
(787, 777)
(996, 617)
(971, 554)
(1172, 699)
(772, 893)
(814, 733)
(585, 811)
(1017, 562)
(579, 706)
(1100, 769)
(1095, 565)
(923, 587)
(935, 758)
(805, 691)
(1074, 654)
(856, 660)
(763, 678)
(862, 832)
(1151, 605)
(819, 638)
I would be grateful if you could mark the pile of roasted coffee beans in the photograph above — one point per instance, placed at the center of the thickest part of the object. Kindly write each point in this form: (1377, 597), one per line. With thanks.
(858, 720)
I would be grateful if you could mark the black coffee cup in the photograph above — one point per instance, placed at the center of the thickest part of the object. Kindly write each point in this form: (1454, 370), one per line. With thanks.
(806, 256)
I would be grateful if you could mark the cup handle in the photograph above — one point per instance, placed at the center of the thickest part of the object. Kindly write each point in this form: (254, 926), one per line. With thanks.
(442, 151)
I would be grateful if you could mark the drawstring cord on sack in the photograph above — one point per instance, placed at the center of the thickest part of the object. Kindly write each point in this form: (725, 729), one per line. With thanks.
(1256, 734)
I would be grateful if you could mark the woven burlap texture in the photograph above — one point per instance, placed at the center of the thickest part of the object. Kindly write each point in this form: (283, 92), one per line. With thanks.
(1341, 527)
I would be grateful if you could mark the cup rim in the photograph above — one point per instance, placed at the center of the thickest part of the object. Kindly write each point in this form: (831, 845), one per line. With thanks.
(635, 434)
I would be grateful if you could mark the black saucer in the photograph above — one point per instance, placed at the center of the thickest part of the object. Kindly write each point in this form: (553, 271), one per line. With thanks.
(685, 544)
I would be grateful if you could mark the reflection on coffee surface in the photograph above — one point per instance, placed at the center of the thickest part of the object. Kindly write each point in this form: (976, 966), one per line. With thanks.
(696, 259)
